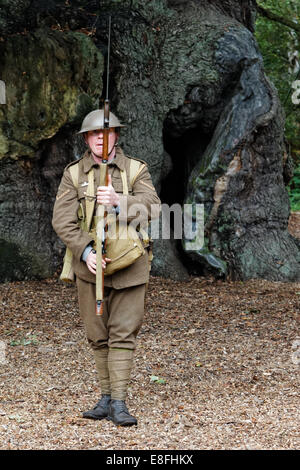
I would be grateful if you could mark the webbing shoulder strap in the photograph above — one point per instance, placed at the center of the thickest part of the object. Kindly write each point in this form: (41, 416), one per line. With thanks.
(74, 171)
(90, 202)
(135, 169)
(124, 181)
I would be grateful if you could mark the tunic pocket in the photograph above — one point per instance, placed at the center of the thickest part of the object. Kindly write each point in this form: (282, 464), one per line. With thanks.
(81, 213)
(81, 193)
(117, 185)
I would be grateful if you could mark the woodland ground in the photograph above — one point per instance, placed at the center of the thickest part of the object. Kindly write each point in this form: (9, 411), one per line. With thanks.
(217, 367)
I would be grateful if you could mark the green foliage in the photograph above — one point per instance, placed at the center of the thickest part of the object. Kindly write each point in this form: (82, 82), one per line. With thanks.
(157, 380)
(30, 339)
(294, 190)
(276, 42)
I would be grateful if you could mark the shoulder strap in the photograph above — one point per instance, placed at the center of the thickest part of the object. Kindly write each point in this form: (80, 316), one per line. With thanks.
(74, 171)
(135, 169)
(90, 201)
(124, 181)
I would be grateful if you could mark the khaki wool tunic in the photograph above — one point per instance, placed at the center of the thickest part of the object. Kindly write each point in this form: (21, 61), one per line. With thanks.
(65, 214)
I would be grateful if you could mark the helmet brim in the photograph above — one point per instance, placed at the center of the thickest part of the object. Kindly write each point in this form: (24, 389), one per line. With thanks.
(97, 127)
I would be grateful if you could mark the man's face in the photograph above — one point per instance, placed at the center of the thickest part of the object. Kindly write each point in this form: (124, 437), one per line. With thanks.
(94, 139)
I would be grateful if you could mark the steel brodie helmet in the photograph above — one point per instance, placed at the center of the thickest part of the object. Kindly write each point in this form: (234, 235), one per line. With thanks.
(95, 120)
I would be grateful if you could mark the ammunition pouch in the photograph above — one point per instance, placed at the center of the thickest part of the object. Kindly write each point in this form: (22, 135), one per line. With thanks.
(123, 245)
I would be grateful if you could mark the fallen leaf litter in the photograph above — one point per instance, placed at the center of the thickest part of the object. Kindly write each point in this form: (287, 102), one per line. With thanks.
(216, 367)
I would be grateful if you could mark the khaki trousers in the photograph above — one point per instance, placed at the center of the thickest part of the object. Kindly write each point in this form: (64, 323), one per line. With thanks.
(123, 312)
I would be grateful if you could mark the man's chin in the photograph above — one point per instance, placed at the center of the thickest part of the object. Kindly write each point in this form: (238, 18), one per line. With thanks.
(97, 153)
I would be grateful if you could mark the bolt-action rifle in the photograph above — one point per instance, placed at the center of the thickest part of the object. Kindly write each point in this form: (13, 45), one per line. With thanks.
(101, 213)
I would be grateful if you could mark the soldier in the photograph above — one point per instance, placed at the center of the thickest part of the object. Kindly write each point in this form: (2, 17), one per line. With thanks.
(112, 336)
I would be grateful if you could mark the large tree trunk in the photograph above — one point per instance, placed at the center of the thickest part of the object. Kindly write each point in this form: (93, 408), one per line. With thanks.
(188, 79)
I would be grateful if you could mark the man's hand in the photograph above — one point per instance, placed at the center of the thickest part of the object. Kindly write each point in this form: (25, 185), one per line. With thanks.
(91, 262)
(106, 195)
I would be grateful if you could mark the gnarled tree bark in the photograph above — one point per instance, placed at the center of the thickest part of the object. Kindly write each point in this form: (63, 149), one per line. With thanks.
(188, 79)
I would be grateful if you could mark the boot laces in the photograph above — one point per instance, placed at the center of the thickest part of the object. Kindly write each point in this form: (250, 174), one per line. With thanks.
(104, 400)
(120, 405)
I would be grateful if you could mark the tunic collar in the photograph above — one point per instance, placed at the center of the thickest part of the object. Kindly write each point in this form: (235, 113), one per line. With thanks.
(89, 162)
